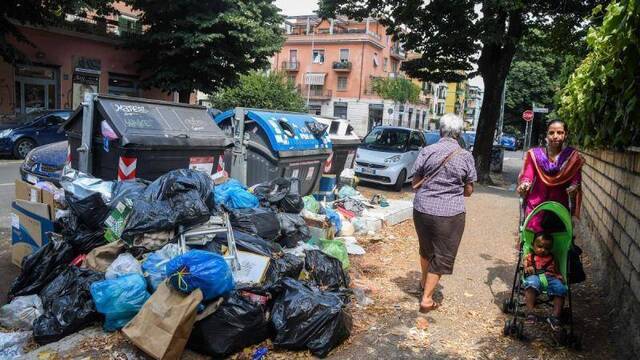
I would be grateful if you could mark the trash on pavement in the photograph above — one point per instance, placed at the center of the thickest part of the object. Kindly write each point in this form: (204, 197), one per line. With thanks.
(68, 306)
(334, 217)
(288, 265)
(154, 267)
(12, 344)
(294, 229)
(117, 219)
(153, 241)
(234, 195)
(347, 191)
(236, 324)
(259, 222)
(124, 264)
(304, 317)
(21, 312)
(199, 269)
(337, 249)
(162, 327)
(253, 268)
(325, 270)
(352, 245)
(101, 257)
(311, 204)
(119, 299)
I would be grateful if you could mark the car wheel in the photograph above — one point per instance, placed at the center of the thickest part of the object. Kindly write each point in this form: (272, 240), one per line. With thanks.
(22, 148)
(402, 177)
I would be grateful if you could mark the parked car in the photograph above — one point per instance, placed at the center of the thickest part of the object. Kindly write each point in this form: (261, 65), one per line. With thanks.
(432, 137)
(31, 130)
(387, 154)
(508, 142)
(45, 163)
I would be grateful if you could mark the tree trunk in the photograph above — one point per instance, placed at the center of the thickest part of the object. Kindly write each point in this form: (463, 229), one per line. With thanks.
(184, 96)
(489, 114)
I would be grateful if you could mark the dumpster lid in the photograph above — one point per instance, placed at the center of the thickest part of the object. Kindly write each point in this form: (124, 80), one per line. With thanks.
(340, 131)
(287, 131)
(155, 122)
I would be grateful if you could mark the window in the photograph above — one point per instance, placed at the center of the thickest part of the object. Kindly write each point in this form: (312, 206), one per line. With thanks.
(342, 83)
(409, 117)
(129, 25)
(316, 90)
(315, 109)
(440, 109)
(340, 110)
(123, 85)
(394, 66)
(416, 141)
(292, 79)
(344, 55)
(385, 63)
(318, 56)
(293, 55)
(375, 60)
(417, 126)
(36, 88)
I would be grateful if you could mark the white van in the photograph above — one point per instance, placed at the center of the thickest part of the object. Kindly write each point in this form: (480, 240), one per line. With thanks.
(387, 154)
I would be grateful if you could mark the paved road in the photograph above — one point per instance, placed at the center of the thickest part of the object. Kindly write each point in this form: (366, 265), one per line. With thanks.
(8, 173)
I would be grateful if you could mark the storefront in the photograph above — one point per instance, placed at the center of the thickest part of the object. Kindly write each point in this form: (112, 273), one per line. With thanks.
(36, 88)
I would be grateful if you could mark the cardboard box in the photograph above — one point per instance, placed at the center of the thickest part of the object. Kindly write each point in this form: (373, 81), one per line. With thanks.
(30, 222)
(28, 192)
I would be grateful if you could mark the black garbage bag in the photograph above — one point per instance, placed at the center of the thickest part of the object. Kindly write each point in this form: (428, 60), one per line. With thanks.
(304, 317)
(282, 194)
(291, 203)
(244, 242)
(258, 222)
(236, 324)
(293, 228)
(39, 268)
(131, 189)
(91, 210)
(288, 265)
(317, 128)
(85, 240)
(68, 306)
(325, 270)
(181, 181)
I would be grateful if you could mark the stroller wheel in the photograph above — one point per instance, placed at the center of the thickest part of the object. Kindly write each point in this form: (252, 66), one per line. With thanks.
(507, 306)
(508, 328)
(520, 330)
(574, 342)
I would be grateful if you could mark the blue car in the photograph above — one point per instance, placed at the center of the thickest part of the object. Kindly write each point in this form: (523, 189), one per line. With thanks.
(432, 137)
(45, 163)
(32, 130)
(508, 142)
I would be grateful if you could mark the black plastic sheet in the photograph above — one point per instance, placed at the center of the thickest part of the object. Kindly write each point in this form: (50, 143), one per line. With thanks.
(325, 270)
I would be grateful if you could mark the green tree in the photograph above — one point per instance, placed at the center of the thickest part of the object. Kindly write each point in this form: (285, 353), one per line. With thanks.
(400, 90)
(39, 13)
(452, 38)
(262, 91)
(205, 45)
(600, 101)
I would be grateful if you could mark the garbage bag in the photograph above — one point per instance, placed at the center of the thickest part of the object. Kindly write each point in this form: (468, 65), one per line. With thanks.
(119, 299)
(288, 265)
(91, 210)
(245, 242)
(311, 204)
(12, 344)
(124, 264)
(306, 318)
(234, 195)
(347, 191)
(101, 257)
(236, 324)
(259, 222)
(181, 181)
(130, 189)
(282, 194)
(334, 217)
(84, 240)
(325, 270)
(68, 306)
(154, 267)
(39, 268)
(337, 249)
(199, 269)
(292, 203)
(21, 312)
(317, 128)
(82, 185)
(294, 229)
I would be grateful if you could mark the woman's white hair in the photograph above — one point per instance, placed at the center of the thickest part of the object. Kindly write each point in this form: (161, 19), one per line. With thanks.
(451, 125)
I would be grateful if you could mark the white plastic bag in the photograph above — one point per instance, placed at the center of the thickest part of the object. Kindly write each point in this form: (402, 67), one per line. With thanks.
(11, 344)
(21, 312)
(124, 264)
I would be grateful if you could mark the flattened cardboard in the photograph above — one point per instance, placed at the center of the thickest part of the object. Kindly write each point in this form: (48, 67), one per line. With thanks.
(28, 232)
(28, 192)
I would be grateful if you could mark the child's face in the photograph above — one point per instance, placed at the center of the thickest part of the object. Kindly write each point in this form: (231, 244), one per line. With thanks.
(542, 247)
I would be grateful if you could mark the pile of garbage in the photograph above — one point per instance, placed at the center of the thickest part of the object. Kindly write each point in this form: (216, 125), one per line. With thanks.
(184, 261)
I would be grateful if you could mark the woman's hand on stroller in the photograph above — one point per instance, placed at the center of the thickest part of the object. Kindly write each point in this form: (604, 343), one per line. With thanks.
(573, 189)
(529, 270)
(523, 188)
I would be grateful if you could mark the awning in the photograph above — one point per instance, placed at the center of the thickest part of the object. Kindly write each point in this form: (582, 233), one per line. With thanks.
(314, 78)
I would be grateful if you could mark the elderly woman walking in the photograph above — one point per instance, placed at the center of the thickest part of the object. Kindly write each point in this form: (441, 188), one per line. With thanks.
(444, 174)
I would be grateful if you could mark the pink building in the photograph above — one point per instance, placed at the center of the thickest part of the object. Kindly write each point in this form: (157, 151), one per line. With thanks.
(333, 63)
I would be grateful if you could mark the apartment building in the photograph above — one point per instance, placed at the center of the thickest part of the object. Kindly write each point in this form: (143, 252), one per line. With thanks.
(334, 63)
(77, 55)
(473, 105)
(455, 100)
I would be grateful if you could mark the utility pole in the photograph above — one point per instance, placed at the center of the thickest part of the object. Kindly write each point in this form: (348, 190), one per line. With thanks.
(501, 120)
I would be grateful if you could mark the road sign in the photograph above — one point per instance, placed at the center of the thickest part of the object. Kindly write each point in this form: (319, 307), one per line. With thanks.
(540, 110)
(527, 115)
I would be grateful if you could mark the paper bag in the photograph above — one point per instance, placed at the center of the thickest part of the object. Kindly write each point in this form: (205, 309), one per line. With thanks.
(163, 325)
(101, 257)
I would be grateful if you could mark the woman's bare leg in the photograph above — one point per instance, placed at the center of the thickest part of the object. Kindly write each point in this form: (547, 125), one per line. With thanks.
(429, 289)
(424, 264)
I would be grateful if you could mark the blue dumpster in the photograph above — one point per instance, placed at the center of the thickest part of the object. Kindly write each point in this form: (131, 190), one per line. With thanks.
(280, 144)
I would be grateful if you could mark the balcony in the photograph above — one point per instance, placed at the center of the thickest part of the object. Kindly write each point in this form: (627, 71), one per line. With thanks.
(290, 65)
(357, 35)
(315, 94)
(342, 66)
(398, 53)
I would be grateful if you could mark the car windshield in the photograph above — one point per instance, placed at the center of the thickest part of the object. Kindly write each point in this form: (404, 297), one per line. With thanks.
(393, 140)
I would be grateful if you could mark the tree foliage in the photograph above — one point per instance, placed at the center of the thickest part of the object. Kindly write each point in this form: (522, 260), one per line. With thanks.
(399, 90)
(262, 91)
(449, 35)
(39, 13)
(600, 102)
(205, 44)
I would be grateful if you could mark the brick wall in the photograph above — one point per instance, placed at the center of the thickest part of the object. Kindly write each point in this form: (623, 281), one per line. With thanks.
(609, 232)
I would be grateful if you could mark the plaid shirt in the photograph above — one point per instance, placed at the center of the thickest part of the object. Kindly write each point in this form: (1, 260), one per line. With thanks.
(443, 195)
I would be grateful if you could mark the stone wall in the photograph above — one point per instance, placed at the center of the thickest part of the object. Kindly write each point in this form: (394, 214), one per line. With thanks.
(609, 232)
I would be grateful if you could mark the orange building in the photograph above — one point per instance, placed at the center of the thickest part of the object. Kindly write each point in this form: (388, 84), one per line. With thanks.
(74, 57)
(333, 63)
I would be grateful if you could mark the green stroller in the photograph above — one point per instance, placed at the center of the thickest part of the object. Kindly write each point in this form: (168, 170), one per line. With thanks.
(562, 243)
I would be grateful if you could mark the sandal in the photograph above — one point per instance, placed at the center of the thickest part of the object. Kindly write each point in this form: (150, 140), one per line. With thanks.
(426, 309)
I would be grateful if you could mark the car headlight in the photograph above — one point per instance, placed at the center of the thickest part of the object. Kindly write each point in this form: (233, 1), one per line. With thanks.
(5, 133)
(393, 159)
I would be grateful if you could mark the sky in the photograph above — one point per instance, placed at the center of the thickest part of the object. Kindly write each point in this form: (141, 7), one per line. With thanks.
(307, 7)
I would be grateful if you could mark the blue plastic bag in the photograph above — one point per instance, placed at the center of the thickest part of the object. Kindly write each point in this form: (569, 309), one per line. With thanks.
(119, 299)
(154, 267)
(234, 195)
(199, 269)
(334, 217)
